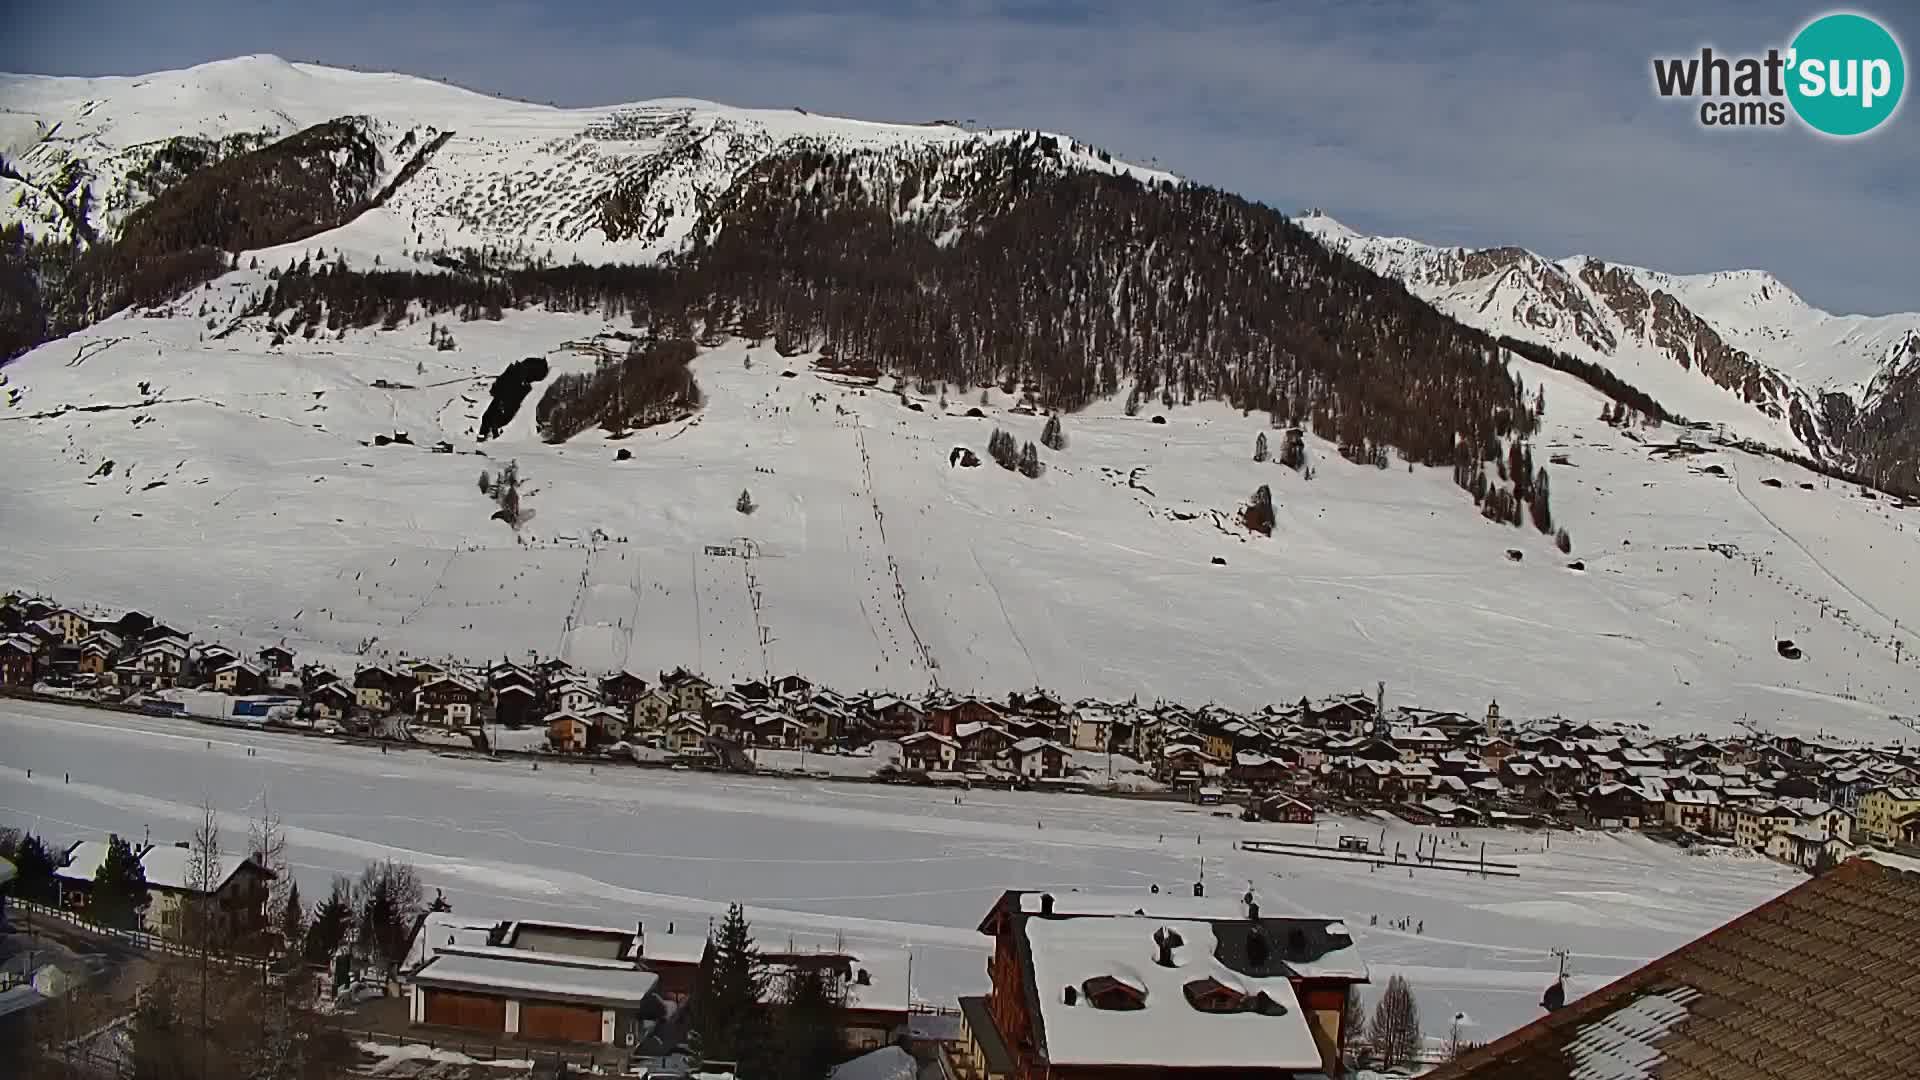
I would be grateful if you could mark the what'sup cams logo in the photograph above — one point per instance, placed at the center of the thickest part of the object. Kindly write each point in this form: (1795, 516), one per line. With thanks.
(1843, 75)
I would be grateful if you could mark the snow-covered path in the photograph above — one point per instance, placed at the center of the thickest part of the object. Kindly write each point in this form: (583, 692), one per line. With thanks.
(881, 865)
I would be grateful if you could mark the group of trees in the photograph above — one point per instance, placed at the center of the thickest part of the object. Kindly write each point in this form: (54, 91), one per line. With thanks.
(1529, 497)
(316, 179)
(504, 490)
(650, 384)
(1021, 458)
(782, 1026)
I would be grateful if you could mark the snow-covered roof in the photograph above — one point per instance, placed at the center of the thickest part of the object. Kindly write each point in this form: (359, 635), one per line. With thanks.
(1033, 744)
(928, 736)
(83, 861)
(442, 929)
(886, 1063)
(541, 976)
(172, 868)
(1168, 1031)
(1163, 905)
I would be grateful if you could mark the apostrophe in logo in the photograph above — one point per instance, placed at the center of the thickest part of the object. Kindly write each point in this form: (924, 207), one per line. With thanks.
(1843, 75)
(1847, 74)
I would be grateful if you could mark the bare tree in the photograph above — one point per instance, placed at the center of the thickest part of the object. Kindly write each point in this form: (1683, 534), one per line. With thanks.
(267, 846)
(1457, 1043)
(200, 910)
(1395, 1030)
(1353, 1030)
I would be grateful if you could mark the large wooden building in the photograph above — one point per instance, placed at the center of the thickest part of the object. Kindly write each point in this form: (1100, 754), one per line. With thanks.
(543, 982)
(1087, 987)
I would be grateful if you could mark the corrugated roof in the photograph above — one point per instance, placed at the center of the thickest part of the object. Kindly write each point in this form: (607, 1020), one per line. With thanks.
(1821, 982)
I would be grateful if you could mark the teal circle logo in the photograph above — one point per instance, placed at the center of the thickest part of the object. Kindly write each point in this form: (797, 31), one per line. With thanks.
(1847, 74)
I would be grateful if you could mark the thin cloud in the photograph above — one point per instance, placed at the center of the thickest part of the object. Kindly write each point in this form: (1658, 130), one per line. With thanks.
(1503, 122)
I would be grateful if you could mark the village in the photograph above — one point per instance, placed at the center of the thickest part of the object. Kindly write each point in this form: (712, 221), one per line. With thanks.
(1801, 801)
(623, 998)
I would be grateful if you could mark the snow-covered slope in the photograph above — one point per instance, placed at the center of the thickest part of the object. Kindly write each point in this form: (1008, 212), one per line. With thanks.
(510, 175)
(244, 499)
(1737, 348)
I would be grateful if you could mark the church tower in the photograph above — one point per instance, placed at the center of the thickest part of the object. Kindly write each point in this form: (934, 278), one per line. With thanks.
(1493, 720)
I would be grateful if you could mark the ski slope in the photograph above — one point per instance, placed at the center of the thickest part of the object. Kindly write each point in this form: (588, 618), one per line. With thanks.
(246, 501)
(867, 865)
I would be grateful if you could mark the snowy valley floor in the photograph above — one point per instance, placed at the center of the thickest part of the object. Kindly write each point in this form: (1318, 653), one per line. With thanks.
(895, 867)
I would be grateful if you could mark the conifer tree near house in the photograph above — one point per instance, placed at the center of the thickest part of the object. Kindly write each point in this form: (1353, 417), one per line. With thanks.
(293, 922)
(728, 1013)
(807, 1036)
(1260, 447)
(33, 870)
(331, 920)
(1051, 436)
(120, 897)
(744, 503)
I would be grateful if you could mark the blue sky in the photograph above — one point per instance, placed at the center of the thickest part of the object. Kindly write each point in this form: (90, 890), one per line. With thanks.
(1474, 123)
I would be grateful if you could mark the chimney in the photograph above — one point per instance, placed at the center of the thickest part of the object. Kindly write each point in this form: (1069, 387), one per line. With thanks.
(639, 938)
(1046, 903)
(1071, 996)
(1199, 888)
(1166, 940)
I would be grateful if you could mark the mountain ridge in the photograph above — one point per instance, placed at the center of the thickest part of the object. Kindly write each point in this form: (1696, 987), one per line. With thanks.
(1781, 371)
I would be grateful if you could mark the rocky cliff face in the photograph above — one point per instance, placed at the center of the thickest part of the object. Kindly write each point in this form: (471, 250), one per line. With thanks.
(1719, 346)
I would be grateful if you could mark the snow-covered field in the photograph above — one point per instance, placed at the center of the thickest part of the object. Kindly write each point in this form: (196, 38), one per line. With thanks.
(879, 865)
(246, 503)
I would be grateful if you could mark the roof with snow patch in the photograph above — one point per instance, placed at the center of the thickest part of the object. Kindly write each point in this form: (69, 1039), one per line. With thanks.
(1822, 981)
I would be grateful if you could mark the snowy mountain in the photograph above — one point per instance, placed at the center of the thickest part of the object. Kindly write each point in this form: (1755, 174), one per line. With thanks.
(1736, 348)
(224, 451)
(86, 153)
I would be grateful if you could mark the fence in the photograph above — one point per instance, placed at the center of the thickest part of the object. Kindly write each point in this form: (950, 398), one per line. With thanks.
(133, 939)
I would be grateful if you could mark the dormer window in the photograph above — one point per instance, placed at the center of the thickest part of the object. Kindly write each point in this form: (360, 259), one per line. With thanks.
(1214, 996)
(1107, 992)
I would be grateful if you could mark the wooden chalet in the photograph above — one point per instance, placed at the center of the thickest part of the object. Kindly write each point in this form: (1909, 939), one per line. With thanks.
(948, 716)
(515, 705)
(448, 701)
(621, 689)
(331, 701)
(1090, 986)
(276, 660)
(19, 661)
